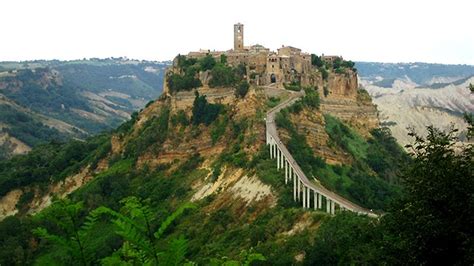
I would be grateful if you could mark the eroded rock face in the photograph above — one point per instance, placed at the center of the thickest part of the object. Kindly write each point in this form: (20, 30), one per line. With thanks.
(362, 117)
(342, 86)
(342, 99)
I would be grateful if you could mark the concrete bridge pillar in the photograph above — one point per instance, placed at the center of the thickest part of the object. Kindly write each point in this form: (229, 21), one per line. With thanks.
(333, 208)
(282, 158)
(299, 188)
(308, 198)
(286, 171)
(320, 201)
(273, 149)
(328, 205)
(278, 157)
(304, 197)
(294, 188)
(315, 200)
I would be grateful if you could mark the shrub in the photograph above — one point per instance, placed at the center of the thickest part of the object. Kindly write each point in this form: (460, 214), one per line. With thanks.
(188, 81)
(222, 76)
(325, 91)
(207, 63)
(223, 59)
(293, 86)
(311, 99)
(324, 73)
(242, 89)
(204, 112)
(155, 131)
(316, 60)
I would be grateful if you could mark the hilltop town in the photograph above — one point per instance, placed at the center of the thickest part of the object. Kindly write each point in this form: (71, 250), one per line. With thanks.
(288, 66)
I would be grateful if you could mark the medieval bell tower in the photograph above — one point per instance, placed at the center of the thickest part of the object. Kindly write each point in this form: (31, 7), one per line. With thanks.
(238, 37)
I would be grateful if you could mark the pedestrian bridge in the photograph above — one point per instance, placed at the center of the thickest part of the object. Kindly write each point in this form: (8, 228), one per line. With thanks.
(310, 194)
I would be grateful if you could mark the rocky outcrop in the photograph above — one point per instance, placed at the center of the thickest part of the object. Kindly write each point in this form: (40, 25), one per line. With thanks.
(341, 97)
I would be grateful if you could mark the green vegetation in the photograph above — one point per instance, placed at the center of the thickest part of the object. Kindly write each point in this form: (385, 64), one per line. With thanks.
(51, 162)
(273, 101)
(316, 61)
(311, 98)
(207, 63)
(189, 81)
(339, 66)
(204, 112)
(353, 181)
(419, 228)
(242, 89)
(324, 74)
(221, 74)
(62, 90)
(223, 59)
(380, 154)
(104, 222)
(325, 91)
(218, 128)
(26, 128)
(293, 86)
(153, 133)
(346, 239)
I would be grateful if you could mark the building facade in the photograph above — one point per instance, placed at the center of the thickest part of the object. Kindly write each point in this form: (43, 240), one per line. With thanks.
(287, 65)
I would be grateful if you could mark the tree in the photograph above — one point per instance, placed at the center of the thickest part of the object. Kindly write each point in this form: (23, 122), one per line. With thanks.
(471, 87)
(204, 112)
(434, 222)
(223, 59)
(222, 76)
(316, 60)
(242, 89)
(324, 74)
(311, 99)
(207, 62)
(346, 239)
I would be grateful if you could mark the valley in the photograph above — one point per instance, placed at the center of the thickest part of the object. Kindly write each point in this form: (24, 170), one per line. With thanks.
(60, 100)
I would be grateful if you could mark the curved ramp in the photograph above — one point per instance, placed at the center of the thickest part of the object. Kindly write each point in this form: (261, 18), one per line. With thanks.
(303, 189)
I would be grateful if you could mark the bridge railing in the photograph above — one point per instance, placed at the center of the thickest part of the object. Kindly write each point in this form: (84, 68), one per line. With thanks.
(294, 172)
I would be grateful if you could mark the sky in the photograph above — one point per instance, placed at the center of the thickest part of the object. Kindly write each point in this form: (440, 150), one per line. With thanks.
(359, 30)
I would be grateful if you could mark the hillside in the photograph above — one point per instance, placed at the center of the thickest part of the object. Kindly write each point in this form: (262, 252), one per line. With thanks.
(58, 100)
(419, 74)
(206, 146)
(416, 95)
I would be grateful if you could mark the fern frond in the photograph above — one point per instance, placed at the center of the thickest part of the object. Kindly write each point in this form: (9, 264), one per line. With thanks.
(176, 252)
(172, 218)
(54, 239)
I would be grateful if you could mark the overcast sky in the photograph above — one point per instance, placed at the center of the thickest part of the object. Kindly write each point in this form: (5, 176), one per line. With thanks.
(360, 30)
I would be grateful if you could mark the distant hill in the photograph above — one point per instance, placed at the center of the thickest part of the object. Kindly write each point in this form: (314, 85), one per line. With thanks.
(423, 74)
(56, 100)
(414, 95)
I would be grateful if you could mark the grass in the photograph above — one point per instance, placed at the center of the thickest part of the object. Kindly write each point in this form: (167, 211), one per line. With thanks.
(345, 137)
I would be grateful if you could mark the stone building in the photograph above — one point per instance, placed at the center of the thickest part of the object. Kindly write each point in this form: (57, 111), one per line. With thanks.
(264, 67)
